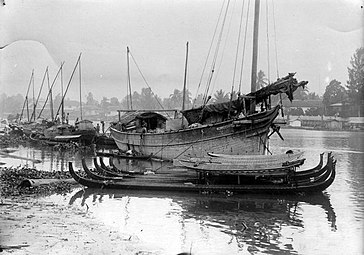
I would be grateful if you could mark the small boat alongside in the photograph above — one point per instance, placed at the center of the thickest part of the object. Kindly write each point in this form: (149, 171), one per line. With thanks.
(315, 179)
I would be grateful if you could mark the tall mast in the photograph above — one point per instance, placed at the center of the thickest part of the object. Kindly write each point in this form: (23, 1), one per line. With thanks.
(40, 91)
(62, 102)
(129, 84)
(255, 52)
(34, 104)
(26, 98)
(50, 94)
(185, 79)
(184, 82)
(69, 82)
(79, 72)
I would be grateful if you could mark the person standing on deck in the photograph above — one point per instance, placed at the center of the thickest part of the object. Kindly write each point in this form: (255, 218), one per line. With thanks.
(103, 126)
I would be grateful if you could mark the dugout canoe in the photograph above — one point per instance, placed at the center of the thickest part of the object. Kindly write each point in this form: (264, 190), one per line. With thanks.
(102, 169)
(95, 176)
(307, 185)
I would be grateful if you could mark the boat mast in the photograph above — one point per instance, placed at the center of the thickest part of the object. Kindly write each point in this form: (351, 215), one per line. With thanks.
(34, 104)
(255, 53)
(184, 82)
(79, 72)
(69, 82)
(129, 84)
(51, 97)
(40, 91)
(50, 93)
(26, 98)
(62, 109)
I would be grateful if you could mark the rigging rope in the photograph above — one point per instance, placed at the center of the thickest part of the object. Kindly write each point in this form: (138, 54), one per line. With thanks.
(216, 53)
(208, 54)
(244, 47)
(146, 82)
(50, 90)
(266, 17)
(275, 39)
(40, 91)
(26, 96)
(223, 52)
(238, 44)
(68, 85)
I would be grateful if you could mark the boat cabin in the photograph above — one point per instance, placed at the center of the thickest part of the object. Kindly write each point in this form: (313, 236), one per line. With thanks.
(150, 122)
(84, 125)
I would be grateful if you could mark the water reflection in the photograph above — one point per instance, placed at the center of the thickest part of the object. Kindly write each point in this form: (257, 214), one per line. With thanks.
(216, 225)
(51, 158)
(253, 222)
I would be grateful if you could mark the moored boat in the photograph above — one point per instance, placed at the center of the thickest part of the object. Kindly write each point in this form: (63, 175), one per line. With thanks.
(235, 127)
(160, 182)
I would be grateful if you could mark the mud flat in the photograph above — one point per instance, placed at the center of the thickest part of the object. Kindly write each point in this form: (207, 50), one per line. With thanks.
(34, 226)
(32, 223)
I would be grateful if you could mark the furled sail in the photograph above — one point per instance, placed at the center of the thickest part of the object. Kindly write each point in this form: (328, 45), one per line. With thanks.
(222, 111)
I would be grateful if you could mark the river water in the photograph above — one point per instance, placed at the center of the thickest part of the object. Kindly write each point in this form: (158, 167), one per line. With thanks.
(327, 223)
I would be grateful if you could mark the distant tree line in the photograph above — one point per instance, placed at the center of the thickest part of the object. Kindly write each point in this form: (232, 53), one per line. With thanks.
(349, 99)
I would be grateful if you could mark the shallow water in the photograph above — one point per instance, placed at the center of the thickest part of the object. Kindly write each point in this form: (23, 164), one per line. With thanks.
(327, 223)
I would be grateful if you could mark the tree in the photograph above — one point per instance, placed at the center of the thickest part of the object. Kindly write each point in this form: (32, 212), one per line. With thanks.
(262, 81)
(301, 93)
(334, 93)
(104, 103)
(145, 100)
(355, 83)
(313, 96)
(296, 111)
(198, 101)
(11, 104)
(220, 96)
(90, 99)
(314, 111)
(114, 101)
(174, 101)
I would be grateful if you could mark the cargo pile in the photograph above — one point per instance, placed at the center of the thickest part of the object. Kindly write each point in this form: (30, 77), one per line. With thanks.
(12, 182)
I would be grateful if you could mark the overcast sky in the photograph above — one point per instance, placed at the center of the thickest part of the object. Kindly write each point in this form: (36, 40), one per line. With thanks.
(315, 38)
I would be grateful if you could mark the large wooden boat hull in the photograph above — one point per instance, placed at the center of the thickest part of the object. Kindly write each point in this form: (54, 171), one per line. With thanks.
(180, 183)
(240, 136)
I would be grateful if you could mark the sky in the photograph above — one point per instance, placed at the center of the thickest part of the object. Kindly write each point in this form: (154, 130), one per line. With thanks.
(314, 38)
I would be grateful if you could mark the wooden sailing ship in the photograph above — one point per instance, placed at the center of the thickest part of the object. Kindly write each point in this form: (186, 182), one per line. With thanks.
(234, 127)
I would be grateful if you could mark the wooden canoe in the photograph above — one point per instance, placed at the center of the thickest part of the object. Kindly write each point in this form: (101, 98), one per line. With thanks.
(95, 176)
(284, 157)
(102, 169)
(240, 169)
(317, 184)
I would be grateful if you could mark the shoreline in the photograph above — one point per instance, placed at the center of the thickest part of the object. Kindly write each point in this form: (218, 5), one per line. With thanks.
(32, 224)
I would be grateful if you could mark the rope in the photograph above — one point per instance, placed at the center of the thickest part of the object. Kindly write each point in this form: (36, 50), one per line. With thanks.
(238, 44)
(223, 52)
(266, 17)
(50, 90)
(208, 54)
(216, 52)
(68, 85)
(26, 97)
(242, 59)
(147, 82)
(275, 39)
(40, 91)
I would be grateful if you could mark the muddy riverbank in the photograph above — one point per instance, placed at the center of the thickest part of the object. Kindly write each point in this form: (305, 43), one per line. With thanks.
(32, 223)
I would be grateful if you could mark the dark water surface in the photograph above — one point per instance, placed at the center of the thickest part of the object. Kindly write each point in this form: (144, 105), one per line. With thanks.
(327, 223)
